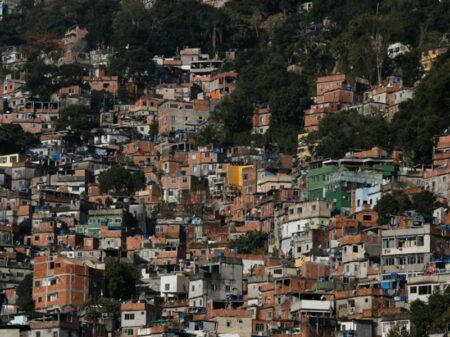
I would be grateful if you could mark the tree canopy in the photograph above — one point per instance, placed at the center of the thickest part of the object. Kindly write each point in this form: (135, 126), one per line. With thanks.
(398, 202)
(13, 139)
(249, 243)
(25, 300)
(344, 131)
(121, 278)
(79, 119)
(393, 203)
(119, 179)
(93, 310)
(430, 317)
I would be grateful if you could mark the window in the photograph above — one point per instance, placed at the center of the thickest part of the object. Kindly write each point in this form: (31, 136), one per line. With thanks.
(227, 288)
(389, 261)
(388, 243)
(401, 260)
(52, 297)
(420, 241)
(411, 259)
(413, 290)
(419, 258)
(37, 284)
(130, 332)
(355, 249)
(259, 327)
(193, 288)
(367, 217)
(229, 324)
(38, 334)
(425, 290)
(55, 334)
(167, 286)
(299, 210)
(129, 317)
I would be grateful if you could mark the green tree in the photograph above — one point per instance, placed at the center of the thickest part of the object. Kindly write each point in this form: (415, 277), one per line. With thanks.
(135, 64)
(398, 331)
(210, 135)
(344, 131)
(13, 139)
(250, 242)
(39, 79)
(425, 116)
(424, 203)
(138, 180)
(99, 19)
(431, 317)
(121, 280)
(24, 294)
(116, 178)
(391, 204)
(119, 179)
(94, 309)
(79, 119)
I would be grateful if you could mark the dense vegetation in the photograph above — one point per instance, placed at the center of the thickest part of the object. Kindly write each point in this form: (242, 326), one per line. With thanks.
(346, 36)
(431, 317)
(252, 242)
(119, 179)
(121, 278)
(13, 139)
(398, 202)
(24, 294)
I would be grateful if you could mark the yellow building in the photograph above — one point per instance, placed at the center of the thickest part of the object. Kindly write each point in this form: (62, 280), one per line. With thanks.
(10, 159)
(303, 147)
(427, 58)
(236, 174)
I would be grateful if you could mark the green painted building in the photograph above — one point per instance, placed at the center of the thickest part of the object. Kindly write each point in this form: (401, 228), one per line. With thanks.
(334, 183)
(317, 179)
(113, 218)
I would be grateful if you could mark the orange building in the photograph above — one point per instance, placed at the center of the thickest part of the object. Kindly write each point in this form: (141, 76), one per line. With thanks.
(60, 282)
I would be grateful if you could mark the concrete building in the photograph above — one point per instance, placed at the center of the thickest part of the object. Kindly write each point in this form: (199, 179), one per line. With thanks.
(136, 315)
(216, 281)
(59, 282)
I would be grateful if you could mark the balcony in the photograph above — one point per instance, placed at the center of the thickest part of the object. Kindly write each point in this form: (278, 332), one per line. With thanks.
(312, 306)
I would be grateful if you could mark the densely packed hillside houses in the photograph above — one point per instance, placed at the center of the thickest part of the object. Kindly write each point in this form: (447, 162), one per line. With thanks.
(224, 168)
